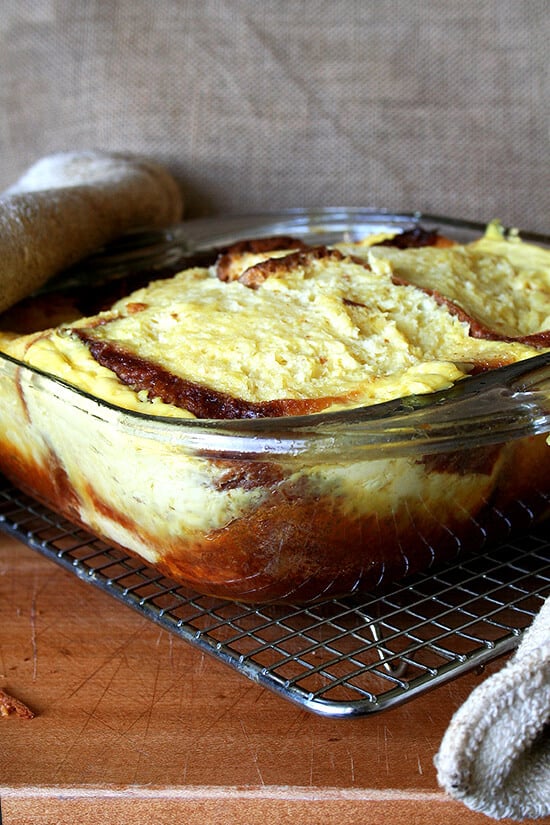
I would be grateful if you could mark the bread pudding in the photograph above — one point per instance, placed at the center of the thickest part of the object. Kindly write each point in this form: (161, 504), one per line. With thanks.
(131, 420)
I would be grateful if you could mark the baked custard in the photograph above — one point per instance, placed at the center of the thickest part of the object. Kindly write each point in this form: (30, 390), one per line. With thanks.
(272, 330)
(276, 328)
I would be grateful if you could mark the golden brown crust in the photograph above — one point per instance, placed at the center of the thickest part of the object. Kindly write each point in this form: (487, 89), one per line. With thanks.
(228, 264)
(9, 704)
(198, 399)
(415, 238)
(539, 340)
(255, 276)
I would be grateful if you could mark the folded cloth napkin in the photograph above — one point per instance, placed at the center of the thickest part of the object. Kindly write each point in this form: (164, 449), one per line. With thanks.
(71, 203)
(495, 754)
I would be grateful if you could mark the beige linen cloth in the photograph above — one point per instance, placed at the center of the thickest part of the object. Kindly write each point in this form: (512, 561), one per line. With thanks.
(440, 106)
(495, 755)
(70, 204)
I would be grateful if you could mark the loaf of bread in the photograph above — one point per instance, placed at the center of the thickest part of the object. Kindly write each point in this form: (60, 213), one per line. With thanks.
(271, 329)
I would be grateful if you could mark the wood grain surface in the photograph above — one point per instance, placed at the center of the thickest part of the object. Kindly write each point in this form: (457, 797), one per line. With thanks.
(133, 725)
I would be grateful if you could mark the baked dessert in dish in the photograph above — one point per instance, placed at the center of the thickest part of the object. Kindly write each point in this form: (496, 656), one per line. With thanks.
(269, 426)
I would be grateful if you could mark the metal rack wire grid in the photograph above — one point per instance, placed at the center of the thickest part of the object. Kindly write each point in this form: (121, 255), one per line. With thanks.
(340, 657)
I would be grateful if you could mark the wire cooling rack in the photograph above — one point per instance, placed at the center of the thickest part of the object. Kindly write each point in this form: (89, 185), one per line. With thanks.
(341, 657)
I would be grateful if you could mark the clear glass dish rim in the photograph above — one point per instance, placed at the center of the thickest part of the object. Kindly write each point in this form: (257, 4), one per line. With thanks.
(505, 404)
(301, 217)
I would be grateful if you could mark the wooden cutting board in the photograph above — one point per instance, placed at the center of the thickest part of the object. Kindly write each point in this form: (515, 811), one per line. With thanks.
(133, 725)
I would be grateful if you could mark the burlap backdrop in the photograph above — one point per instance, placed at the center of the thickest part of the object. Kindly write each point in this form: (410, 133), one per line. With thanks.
(439, 106)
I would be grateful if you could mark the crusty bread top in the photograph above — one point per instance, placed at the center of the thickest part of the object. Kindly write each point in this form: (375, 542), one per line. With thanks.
(277, 333)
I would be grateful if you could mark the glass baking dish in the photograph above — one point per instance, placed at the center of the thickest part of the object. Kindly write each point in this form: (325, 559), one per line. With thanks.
(293, 509)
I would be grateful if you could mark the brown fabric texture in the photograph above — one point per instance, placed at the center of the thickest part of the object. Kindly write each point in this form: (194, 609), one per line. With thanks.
(255, 106)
